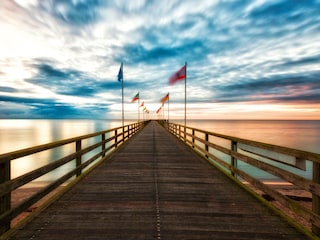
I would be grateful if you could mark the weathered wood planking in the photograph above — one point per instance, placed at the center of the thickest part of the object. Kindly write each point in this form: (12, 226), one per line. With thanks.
(155, 187)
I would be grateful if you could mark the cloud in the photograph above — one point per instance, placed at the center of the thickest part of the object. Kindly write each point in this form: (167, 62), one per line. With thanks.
(295, 88)
(49, 108)
(309, 60)
(60, 110)
(269, 9)
(13, 110)
(282, 18)
(8, 89)
(138, 53)
(73, 13)
(56, 52)
(67, 81)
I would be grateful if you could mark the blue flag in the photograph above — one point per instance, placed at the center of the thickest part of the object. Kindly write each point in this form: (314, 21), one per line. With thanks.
(120, 74)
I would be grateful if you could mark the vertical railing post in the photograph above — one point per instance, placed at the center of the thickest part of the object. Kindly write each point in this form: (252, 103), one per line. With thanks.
(128, 129)
(185, 133)
(128, 132)
(316, 198)
(103, 146)
(5, 201)
(79, 156)
(122, 134)
(179, 131)
(192, 138)
(234, 148)
(207, 146)
(115, 138)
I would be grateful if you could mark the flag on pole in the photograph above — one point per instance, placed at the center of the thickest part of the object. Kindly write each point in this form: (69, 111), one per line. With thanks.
(135, 98)
(164, 99)
(142, 104)
(159, 110)
(178, 76)
(120, 79)
(120, 73)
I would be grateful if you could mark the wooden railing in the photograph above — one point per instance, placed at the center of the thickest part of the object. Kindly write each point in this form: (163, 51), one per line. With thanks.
(98, 145)
(237, 157)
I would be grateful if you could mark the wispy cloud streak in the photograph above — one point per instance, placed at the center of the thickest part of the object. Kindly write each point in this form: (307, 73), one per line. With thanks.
(56, 52)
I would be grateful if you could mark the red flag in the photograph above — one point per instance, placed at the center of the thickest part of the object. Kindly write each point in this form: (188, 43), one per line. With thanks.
(164, 99)
(159, 110)
(178, 76)
(135, 98)
(142, 104)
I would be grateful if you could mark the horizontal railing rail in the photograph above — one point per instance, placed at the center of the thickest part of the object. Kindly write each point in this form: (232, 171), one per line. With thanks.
(241, 157)
(86, 150)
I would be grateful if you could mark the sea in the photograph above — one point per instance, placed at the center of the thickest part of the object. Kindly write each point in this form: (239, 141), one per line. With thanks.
(16, 134)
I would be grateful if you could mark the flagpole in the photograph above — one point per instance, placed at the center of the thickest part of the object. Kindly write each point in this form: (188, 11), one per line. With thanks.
(122, 99)
(168, 106)
(163, 113)
(139, 109)
(185, 103)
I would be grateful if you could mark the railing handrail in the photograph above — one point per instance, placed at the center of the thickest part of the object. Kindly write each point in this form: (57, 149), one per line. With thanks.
(276, 148)
(240, 149)
(7, 185)
(31, 150)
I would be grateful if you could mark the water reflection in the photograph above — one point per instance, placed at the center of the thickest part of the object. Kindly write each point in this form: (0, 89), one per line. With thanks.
(20, 134)
(303, 135)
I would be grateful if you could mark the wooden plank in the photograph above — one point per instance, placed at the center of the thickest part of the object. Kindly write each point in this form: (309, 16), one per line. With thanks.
(155, 187)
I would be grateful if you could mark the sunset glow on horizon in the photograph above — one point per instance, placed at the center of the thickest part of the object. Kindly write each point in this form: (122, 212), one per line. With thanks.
(254, 59)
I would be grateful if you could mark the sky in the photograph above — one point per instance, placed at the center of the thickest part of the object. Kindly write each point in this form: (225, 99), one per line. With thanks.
(246, 59)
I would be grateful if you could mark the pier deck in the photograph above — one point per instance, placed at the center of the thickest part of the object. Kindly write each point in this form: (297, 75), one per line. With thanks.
(155, 187)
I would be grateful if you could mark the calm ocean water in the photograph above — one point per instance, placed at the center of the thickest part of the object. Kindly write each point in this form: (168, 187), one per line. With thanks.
(298, 134)
(18, 134)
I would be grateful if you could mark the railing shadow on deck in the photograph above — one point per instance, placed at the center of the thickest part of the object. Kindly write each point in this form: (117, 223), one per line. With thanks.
(241, 158)
(86, 151)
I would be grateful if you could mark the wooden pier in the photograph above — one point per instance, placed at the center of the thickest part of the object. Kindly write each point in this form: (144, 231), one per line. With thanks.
(156, 187)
